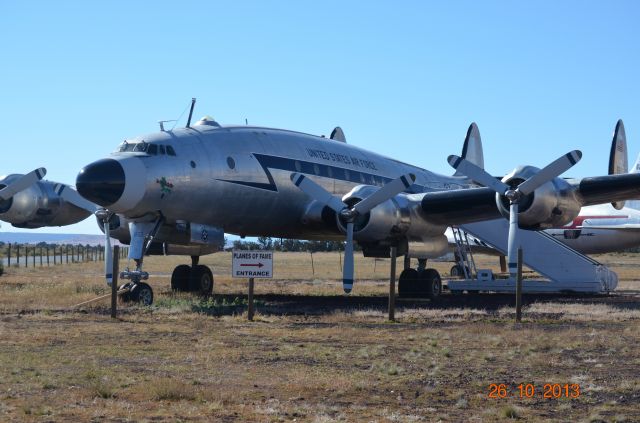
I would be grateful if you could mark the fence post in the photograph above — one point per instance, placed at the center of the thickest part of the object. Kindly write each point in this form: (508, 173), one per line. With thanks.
(9, 256)
(114, 281)
(18, 254)
(34, 256)
(47, 255)
(41, 256)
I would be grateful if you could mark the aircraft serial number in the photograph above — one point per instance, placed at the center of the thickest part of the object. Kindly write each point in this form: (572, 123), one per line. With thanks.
(529, 390)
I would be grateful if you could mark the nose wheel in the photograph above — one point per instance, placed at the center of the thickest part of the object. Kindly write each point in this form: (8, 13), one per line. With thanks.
(139, 292)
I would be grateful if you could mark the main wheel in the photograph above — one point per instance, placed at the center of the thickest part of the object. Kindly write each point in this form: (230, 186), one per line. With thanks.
(431, 283)
(408, 283)
(142, 293)
(201, 280)
(180, 278)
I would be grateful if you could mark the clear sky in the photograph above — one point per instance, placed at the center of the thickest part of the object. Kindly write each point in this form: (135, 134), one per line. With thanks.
(402, 78)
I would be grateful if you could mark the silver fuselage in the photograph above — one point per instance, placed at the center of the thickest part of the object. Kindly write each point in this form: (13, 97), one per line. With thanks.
(238, 179)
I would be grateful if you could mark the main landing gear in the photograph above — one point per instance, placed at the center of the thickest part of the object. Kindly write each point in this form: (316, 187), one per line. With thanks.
(194, 278)
(420, 282)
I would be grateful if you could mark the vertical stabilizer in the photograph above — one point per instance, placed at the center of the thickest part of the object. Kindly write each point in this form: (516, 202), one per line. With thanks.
(618, 160)
(472, 148)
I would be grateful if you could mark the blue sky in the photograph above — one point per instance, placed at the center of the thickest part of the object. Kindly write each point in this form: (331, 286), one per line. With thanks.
(402, 78)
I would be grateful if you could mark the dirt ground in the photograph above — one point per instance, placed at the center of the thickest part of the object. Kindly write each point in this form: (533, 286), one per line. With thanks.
(313, 354)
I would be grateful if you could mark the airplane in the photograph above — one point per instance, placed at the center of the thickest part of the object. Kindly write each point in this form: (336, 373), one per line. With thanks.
(190, 185)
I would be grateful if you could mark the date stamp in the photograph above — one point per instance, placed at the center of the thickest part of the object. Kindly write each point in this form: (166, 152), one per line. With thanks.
(530, 390)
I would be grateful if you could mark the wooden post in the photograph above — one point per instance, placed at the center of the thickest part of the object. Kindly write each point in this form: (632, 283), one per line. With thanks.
(114, 281)
(41, 256)
(9, 256)
(251, 310)
(18, 254)
(47, 248)
(34, 256)
(392, 286)
(519, 288)
(503, 264)
(66, 249)
(54, 256)
(313, 270)
(61, 255)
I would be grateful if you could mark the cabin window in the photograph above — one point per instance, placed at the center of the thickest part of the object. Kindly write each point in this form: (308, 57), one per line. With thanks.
(152, 149)
(161, 148)
(170, 151)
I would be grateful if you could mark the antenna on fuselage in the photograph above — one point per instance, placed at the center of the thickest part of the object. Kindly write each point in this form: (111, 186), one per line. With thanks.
(246, 121)
(193, 103)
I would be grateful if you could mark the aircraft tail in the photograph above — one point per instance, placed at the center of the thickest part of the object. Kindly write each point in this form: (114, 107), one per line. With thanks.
(472, 148)
(618, 160)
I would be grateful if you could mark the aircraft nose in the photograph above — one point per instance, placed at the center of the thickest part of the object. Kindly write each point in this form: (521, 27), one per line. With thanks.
(101, 182)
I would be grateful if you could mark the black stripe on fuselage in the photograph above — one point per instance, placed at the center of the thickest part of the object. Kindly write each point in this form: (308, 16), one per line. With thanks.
(310, 168)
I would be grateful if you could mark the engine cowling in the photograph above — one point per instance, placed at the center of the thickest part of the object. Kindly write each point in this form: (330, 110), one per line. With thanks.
(396, 219)
(38, 206)
(553, 204)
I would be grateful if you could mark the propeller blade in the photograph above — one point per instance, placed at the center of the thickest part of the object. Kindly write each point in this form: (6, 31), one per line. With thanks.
(316, 192)
(387, 191)
(23, 182)
(347, 271)
(513, 245)
(477, 174)
(550, 171)
(108, 254)
(69, 194)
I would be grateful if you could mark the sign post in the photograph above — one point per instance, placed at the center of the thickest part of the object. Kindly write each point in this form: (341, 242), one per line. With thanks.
(252, 264)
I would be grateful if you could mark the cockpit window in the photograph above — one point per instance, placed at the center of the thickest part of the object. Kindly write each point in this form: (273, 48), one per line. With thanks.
(140, 147)
(170, 151)
(161, 149)
(126, 146)
(152, 149)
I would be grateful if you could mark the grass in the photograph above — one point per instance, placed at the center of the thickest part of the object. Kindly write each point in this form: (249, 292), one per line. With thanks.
(311, 354)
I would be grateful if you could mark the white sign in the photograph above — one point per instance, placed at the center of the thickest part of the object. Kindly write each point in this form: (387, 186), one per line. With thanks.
(252, 264)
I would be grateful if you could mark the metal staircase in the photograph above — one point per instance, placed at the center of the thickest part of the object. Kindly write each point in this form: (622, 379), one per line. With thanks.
(566, 269)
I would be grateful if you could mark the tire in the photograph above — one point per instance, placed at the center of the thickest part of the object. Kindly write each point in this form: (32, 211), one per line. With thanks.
(142, 294)
(456, 270)
(180, 278)
(126, 297)
(408, 283)
(431, 284)
(201, 280)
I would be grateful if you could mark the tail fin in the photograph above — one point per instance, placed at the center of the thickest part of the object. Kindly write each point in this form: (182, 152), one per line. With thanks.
(618, 160)
(472, 148)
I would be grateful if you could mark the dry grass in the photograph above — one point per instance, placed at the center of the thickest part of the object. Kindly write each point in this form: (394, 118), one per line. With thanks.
(311, 355)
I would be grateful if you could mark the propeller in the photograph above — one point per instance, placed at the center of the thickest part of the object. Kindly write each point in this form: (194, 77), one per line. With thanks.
(515, 194)
(349, 214)
(23, 182)
(69, 194)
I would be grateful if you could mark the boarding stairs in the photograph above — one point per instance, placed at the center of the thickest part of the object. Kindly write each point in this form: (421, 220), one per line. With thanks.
(463, 253)
(566, 270)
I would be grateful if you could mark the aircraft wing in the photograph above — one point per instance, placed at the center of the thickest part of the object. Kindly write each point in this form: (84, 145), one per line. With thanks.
(460, 206)
(607, 189)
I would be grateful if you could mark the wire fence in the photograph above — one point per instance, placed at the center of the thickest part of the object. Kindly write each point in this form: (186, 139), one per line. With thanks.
(24, 255)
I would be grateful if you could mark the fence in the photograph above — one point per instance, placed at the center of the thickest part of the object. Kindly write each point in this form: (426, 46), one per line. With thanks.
(33, 255)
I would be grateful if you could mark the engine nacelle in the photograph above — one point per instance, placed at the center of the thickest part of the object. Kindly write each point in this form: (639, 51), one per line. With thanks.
(553, 204)
(395, 219)
(38, 206)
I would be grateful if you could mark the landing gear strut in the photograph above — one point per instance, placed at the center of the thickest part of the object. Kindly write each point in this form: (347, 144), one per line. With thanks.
(194, 278)
(422, 282)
